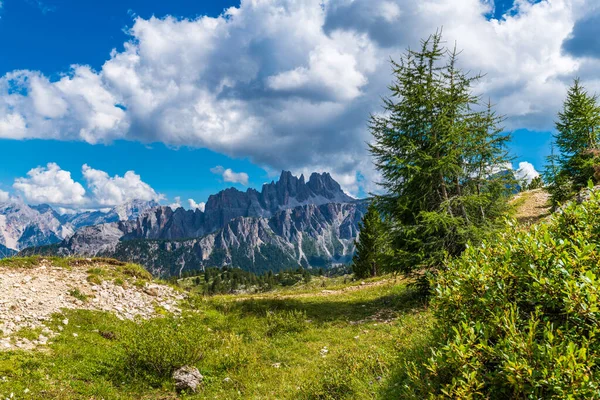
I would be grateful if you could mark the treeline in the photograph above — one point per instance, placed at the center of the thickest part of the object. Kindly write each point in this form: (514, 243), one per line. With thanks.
(235, 280)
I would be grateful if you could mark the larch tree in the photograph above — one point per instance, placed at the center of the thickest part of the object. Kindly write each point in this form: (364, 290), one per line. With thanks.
(442, 156)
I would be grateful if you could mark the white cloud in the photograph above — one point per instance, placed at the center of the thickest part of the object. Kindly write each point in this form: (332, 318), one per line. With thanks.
(55, 186)
(4, 196)
(51, 185)
(176, 203)
(111, 191)
(193, 205)
(526, 172)
(229, 176)
(289, 84)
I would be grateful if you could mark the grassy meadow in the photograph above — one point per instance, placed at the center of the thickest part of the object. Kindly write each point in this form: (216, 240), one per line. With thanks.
(311, 342)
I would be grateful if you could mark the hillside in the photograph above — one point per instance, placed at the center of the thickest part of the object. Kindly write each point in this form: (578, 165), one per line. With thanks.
(323, 340)
(33, 290)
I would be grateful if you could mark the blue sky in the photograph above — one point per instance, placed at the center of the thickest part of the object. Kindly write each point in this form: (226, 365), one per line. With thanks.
(270, 85)
(63, 32)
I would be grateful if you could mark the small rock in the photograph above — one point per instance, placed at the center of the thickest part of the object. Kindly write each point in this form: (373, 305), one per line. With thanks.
(151, 291)
(75, 335)
(65, 321)
(187, 378)
(324, 351)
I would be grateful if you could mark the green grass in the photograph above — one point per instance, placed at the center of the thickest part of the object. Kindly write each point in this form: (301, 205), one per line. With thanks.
(34, 262)
(76, 293)
(269, 346)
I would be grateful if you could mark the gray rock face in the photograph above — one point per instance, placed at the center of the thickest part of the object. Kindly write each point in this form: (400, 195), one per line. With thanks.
(187, 378)
(23, 226)
(288, 192)
(93, 240)
(310, 235)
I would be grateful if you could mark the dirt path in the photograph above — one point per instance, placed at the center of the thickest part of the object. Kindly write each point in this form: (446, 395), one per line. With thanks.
(531, 206)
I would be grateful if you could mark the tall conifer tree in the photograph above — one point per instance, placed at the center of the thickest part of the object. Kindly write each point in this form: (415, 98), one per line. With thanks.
(439, 150)
(577, 139)
(370, 245)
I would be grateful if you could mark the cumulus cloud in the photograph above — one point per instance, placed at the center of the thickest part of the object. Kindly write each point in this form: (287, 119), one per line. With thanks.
(229, 176)
(4, 196)
(176, 203)
(55, 186)
(113, 190)
(193, 205)
(290, 84)
(52, 185)
(526, 172)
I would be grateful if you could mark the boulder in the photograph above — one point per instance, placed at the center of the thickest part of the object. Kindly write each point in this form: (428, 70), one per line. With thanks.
(187, 378)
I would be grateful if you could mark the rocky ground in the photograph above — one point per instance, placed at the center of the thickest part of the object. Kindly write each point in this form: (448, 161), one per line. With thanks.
(30, 296)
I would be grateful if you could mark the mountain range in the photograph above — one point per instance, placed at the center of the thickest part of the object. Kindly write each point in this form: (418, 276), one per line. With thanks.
(23, 225)
(288, 223)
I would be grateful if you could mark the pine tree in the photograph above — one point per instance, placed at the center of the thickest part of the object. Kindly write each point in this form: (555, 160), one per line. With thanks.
(370, 245)
(438, 148)
(536, 183)
(577, 139)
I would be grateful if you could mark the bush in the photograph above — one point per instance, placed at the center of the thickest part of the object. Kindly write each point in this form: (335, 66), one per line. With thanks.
(518, 317)
(134, 271)
(157, 347)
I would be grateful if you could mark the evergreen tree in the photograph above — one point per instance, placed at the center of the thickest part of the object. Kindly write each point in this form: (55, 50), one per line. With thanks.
(536, 183)
(438, 149)
(370, 245)
(577, 139)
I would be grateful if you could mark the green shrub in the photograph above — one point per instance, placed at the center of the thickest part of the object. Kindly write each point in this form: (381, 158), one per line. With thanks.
(135, 271)
(518, 317)
(157, 347)
(282, 322)
(78, 295)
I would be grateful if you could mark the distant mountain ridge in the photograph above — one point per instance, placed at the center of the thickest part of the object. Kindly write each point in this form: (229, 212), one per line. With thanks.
(23, 225)
(310, 235)
(284, 219)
